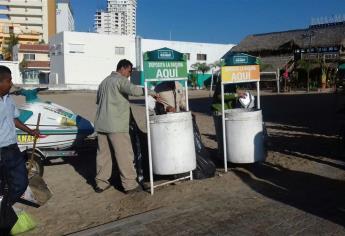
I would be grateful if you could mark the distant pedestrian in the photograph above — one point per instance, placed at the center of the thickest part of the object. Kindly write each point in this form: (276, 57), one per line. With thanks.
(112, 126)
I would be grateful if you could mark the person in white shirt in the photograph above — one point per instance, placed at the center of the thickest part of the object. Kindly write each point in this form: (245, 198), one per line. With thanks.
(12, 161)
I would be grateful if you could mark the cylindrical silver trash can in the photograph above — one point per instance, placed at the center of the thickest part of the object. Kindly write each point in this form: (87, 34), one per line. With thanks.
(172, 143)
(244, 136)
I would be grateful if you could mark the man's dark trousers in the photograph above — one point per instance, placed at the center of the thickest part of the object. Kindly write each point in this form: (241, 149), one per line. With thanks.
(17, 175)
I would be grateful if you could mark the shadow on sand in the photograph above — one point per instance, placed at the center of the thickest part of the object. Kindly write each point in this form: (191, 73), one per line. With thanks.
(314, 194)
(306, 127)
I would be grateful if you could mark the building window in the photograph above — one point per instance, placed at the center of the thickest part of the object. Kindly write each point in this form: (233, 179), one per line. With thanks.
(201, 57)
(76, 48)
(187, 56)
(119, 51)
(29, 56)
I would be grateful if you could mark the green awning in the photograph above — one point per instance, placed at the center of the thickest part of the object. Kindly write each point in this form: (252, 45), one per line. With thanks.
(341, 67)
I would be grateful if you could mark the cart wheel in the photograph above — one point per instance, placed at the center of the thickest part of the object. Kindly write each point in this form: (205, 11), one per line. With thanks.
(37, 164)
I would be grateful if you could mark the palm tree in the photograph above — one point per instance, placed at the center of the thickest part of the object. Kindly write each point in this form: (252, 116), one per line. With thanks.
(202, 67)
(193, 79)
(11, 42)
(216, 64)
(306, 65)
(23, 65)
(265, 66)
(324, 69)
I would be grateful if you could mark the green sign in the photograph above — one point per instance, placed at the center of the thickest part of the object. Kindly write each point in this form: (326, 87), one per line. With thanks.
(164, 64)
(165, 69)
(237, 59)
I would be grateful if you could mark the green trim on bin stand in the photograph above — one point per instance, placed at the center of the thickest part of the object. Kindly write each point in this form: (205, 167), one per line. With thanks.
(238, 59)
(164, 54)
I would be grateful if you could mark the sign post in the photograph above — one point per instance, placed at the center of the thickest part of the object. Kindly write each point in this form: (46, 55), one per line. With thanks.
(163, 65)
(239, 68)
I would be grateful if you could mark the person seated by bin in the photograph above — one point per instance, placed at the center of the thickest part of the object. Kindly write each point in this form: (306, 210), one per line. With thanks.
(231, 96)
(170, 97)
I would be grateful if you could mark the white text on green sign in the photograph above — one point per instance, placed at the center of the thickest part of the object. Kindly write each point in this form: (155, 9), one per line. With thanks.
(165, 54)
(165, 69)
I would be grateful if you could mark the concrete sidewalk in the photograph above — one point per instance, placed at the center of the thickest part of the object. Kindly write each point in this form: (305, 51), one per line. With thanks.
(260, 208)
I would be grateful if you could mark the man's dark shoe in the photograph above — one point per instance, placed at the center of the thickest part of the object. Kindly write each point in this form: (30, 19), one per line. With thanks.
(135, 190)
(145, 186)
(99, 190)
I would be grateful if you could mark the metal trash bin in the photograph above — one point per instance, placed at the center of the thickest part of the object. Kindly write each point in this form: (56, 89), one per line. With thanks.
(172, 142)
(244, 136)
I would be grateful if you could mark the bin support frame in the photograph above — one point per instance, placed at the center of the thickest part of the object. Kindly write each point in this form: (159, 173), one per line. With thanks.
(223, 115)
(152, 186)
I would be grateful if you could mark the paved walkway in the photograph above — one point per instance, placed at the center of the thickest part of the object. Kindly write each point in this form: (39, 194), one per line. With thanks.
(271, 204)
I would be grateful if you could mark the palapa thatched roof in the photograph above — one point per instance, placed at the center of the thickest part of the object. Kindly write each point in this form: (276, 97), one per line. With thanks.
(274, 62)
(322, 36)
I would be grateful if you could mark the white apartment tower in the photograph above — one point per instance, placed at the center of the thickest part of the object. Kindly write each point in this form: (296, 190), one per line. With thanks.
(28, 17)
(64, 16)
(119, 18)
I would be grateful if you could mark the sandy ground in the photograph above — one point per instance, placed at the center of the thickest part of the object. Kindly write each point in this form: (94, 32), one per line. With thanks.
(304, 153)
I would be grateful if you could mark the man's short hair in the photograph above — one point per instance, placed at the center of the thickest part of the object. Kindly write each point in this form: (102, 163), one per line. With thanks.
(124, 63)
(4, 70)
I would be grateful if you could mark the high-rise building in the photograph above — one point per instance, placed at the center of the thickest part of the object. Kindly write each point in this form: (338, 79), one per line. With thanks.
(35, 17)
(64, 16)
(119, 18)
(30, 21)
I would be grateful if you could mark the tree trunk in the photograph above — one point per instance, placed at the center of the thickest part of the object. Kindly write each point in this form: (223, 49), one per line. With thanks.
(308, 81)
(323, 80)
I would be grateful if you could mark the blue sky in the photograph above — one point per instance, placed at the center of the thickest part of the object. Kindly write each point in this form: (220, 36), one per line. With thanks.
(214, 21)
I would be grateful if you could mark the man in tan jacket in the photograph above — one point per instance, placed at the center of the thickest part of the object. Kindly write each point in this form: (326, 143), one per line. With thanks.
(112, 126)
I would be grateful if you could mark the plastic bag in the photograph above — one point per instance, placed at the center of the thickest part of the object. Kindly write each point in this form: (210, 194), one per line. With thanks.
(137, 145)
(8, 217)
(205, 168)
(24, 223)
